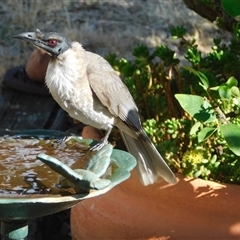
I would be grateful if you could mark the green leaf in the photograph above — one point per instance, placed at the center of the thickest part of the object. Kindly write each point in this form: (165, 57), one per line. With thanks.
(214, 88)
(203, 78)
(224, 91)
(178, 32)
(205, 133)
(205, 161)
(231, 134)
(235, 91)
(232, 7)
(195, 128)
(167, 55)
(232, 81)
(190, 69)
(213, 159)
(197, 107)
(197, 174)
(141, 51)
(216, 164)
(238, 99)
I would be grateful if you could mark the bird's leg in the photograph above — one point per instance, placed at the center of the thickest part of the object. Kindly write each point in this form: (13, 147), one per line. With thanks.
(102, 142)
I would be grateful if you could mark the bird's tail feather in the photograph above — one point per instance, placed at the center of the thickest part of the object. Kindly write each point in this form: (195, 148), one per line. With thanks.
(150, 163)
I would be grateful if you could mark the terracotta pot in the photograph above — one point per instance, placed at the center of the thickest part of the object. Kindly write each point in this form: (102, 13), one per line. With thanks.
(191, 209)
(91, 133)
(36, 65)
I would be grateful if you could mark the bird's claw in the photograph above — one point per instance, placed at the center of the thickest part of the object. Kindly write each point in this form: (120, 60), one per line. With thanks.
(103, 142)
(62, 142)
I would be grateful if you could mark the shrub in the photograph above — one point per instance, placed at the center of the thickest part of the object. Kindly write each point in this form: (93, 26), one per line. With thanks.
(191, 113)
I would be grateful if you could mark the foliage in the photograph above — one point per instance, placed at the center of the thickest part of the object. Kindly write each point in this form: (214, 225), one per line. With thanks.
(212, 130)
(232, 8)
(191, 113)
(225, 12)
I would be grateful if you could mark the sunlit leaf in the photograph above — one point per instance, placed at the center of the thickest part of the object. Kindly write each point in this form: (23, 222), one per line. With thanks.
(232, 81)
(195, 128)
(235, 91)
(224, 91)
(231, 134)
(205, 133)
(197, 107)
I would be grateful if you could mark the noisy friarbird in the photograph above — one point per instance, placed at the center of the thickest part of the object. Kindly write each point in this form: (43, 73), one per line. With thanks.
(86, 86)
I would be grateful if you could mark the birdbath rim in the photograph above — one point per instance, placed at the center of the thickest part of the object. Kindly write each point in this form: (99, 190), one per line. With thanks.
(30, 206)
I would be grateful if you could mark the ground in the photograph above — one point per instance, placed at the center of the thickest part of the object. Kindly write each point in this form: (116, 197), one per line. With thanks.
(101, 26)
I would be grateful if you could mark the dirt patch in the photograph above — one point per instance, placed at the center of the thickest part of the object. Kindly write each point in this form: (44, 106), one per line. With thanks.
(101, 26)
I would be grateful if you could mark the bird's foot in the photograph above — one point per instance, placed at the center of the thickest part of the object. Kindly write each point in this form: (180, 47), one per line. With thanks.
(99, 145)
(61, 142)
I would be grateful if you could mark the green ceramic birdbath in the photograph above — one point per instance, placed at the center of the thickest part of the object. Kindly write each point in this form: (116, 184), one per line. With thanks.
(33, 196)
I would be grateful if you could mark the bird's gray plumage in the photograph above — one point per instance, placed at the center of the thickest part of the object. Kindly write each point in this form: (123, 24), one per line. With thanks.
(87, 87)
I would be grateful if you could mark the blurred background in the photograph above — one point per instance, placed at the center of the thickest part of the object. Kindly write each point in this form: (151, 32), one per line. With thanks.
(101, 26)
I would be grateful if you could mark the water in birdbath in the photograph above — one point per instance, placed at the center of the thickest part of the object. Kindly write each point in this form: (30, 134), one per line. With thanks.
(21, 173)
(32, 168)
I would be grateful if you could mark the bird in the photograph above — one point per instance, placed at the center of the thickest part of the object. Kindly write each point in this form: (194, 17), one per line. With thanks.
(87, 87)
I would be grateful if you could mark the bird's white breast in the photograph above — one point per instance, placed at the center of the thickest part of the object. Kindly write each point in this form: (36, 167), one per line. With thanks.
(67, 81)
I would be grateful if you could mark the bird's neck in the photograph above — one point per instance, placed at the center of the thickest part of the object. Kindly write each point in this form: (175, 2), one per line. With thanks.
(63, 72)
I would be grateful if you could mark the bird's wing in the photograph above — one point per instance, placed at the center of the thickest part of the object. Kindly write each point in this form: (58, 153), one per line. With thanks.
(111, 91)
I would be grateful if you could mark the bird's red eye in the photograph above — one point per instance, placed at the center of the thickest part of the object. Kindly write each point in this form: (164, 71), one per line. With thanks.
(52, 42)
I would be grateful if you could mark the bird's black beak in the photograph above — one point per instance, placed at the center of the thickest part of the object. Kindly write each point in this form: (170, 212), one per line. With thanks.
(26, 36)
(33, 37)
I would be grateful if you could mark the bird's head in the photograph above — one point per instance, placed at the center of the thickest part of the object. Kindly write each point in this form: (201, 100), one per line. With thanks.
(52, 43)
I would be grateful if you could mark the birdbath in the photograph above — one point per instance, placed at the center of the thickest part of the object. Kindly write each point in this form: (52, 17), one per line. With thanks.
(34, 182)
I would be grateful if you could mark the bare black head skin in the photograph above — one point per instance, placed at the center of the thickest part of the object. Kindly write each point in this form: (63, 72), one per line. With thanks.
(52, 43)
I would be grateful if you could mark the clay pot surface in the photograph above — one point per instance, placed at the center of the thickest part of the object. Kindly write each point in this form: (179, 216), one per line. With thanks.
(191, 209)
(90, 132)
(36, 65)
